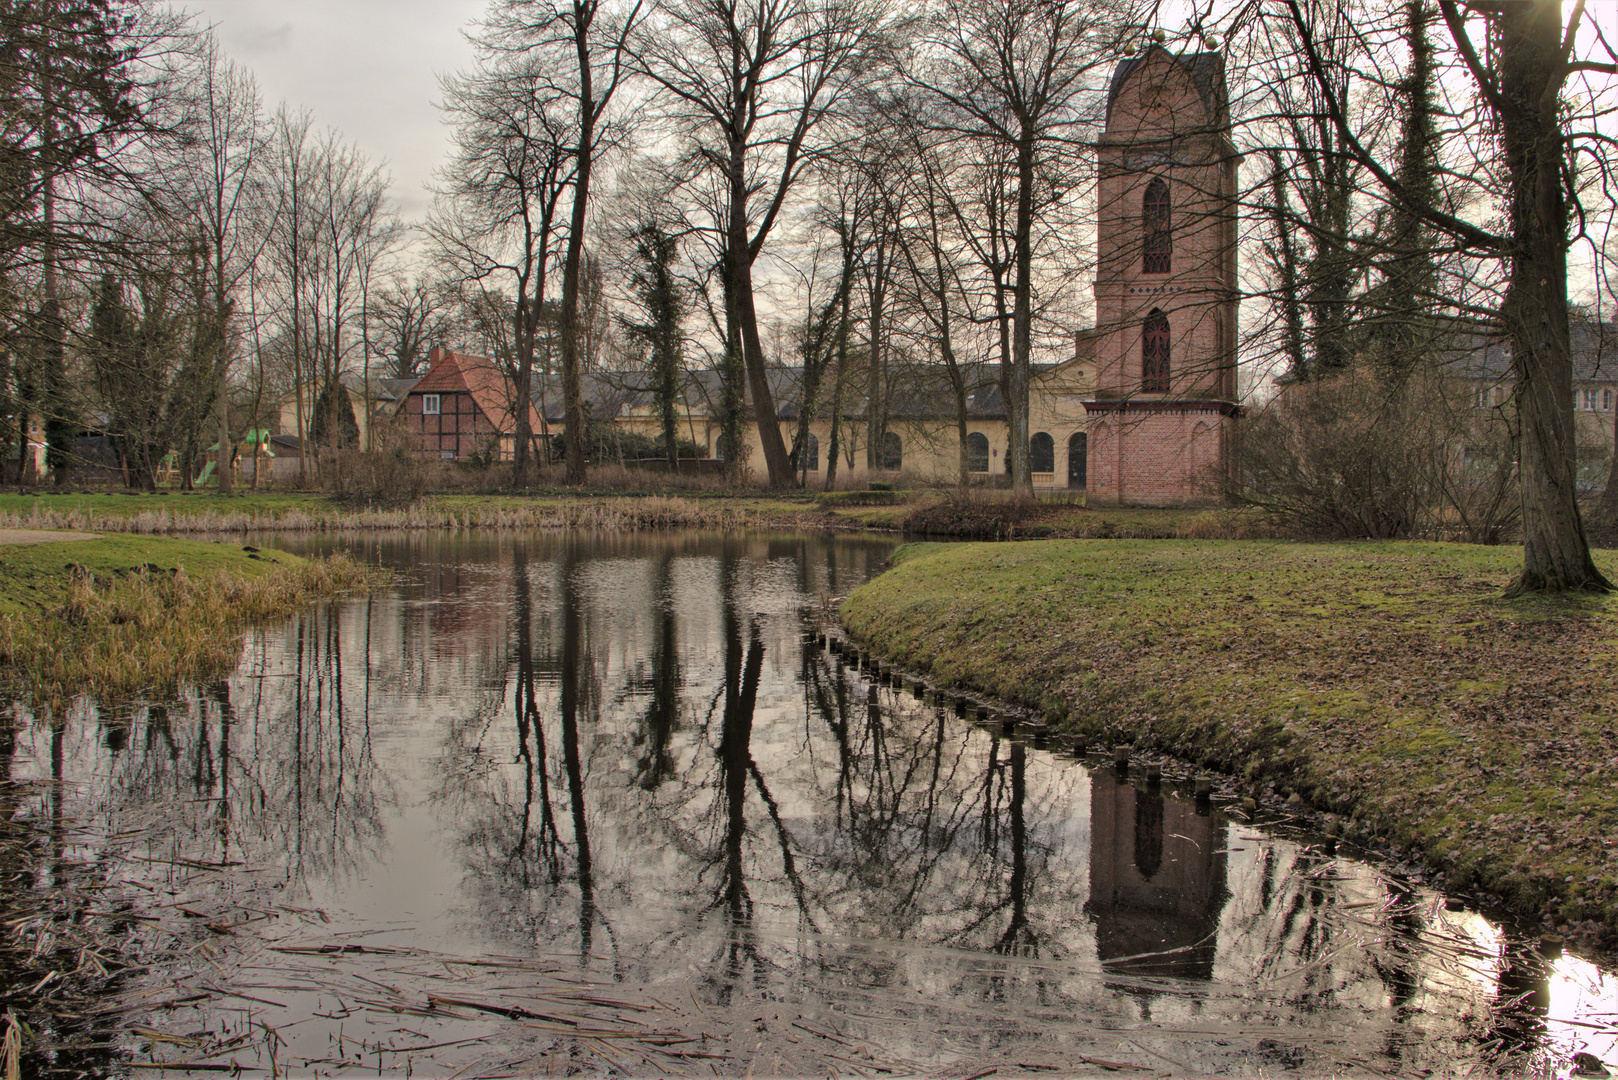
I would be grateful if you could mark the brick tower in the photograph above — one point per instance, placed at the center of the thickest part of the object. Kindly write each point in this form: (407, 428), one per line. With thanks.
(1161, 427)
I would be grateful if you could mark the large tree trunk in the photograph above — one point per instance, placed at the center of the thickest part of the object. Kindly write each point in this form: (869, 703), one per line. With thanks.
(1556, 554)
(572, 270)
(1022, 321)
(222, 462)
(777, 461)
(739, 266)
(876, 413)
(834, 437)
(527, 321)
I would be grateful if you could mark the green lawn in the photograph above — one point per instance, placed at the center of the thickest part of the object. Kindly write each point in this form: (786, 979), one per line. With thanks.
(1389, 683)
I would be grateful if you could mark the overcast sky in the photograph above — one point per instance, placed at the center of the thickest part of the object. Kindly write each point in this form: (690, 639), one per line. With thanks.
(368, 68)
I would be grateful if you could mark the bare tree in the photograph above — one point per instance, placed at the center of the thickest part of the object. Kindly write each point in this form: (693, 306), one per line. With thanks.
(1012, 75)
(584, 46)
(514, 162)
(290, 252)
(227, 136)
(1521, 78)
(748, 86)
(332, 225)
(407, 317)
(934, 256)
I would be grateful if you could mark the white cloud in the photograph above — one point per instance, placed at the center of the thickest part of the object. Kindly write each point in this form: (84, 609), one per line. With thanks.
(368, 68)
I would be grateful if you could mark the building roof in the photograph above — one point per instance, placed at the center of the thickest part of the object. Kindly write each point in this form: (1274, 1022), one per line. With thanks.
(1207, 71)
(914, 393)
(457, 373)
(382, 390)
(1594, 346)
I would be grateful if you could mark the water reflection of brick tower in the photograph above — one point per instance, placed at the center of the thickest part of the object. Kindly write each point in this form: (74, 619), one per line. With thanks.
(1157, 881)
(1161, 424)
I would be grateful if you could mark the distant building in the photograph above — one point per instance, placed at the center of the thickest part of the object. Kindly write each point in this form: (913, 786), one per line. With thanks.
(1144, 411)
(1162, 419)
(464, 406)
(1483, 371)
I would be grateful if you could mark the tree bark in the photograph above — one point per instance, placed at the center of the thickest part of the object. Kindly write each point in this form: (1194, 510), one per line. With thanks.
(739, 267)
(876, 413)
(572, 270)
(1556, 553)
(834, 436)
(222, 462)
(1022, 320)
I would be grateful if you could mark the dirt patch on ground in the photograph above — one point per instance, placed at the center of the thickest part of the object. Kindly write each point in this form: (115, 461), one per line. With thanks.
(42, 536)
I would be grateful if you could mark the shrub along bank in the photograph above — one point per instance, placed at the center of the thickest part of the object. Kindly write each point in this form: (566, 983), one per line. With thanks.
(119, 617)
(1388, 683)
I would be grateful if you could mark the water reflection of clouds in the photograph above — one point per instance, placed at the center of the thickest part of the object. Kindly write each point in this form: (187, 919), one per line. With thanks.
(1583, 1010)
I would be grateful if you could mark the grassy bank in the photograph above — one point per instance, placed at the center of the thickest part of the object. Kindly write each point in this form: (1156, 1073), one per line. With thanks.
(1387, 683)
(123, 616)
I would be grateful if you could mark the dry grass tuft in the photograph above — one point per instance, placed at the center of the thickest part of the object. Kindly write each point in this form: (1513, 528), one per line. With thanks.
(149, 631)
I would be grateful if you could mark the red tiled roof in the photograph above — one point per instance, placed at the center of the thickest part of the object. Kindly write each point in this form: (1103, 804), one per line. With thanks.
(494, 393)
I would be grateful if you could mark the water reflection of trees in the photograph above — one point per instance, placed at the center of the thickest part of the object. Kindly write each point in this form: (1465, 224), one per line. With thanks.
(644, 769)
(273, 768)
(749, 804)
(56, 958)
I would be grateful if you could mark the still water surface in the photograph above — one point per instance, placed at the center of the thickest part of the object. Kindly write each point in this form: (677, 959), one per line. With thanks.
(587, 805)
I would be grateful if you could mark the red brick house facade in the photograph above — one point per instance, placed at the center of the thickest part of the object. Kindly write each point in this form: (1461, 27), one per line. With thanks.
(463, 406)
(1161, 424)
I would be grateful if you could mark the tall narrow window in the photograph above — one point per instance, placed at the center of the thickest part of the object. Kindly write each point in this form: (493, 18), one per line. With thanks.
(1154, 354)
(1078, 460)
(1155, 230)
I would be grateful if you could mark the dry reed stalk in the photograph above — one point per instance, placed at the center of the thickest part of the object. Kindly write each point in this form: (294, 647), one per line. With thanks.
(648, 512)
(11, 1047)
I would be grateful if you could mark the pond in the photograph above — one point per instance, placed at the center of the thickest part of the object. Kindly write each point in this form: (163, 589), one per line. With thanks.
(589, 804)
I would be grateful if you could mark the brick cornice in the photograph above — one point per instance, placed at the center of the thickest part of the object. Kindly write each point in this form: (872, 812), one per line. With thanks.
(1164, 405)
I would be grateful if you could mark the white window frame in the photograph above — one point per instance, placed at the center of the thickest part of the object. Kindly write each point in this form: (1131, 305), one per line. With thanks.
(1589, 401)
(431, 404)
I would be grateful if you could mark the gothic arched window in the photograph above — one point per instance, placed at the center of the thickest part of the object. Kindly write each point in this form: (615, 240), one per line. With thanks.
(1154, 353)
(1155, 229)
